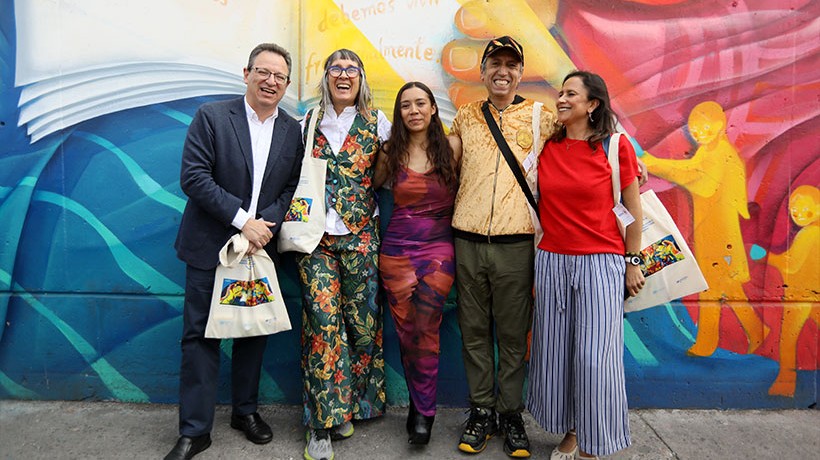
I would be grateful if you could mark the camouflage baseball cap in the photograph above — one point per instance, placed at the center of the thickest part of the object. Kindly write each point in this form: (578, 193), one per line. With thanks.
(501, 43)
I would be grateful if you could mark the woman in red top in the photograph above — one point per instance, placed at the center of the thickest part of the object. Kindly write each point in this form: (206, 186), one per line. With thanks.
(582, 267)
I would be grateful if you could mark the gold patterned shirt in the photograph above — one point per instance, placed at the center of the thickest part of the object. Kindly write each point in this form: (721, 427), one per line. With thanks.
(489, 200)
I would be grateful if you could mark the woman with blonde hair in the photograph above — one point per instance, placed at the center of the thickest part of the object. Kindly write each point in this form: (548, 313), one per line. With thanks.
(342, 359)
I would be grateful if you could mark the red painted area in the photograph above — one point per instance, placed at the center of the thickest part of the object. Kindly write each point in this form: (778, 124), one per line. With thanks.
(760, 60)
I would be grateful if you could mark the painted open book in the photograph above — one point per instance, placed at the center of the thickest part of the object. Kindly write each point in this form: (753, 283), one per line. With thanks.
(80, 59)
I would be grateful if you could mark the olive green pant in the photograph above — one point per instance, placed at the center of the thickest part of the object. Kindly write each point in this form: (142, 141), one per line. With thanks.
(494, 282)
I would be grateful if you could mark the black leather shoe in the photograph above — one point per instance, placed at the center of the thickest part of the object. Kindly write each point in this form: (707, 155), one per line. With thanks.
(255, 429)
(187, 447)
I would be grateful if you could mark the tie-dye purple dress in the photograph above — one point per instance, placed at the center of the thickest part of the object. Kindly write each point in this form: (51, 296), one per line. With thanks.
(417, 272)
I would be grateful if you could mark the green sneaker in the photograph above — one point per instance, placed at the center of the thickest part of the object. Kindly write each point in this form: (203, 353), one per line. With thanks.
(343, 431)
(318, 445)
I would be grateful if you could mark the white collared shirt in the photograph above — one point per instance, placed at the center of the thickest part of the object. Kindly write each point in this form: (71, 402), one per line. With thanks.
(261, 132)
(335, 129)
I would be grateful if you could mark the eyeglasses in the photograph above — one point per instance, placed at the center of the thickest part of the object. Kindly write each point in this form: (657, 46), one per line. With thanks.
(279, 78)
(336, 71)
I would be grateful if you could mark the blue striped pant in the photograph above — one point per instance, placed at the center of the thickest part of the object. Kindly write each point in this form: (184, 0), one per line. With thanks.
(576, 365)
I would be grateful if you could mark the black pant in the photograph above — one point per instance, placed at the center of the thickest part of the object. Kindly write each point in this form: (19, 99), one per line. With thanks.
(199, 372)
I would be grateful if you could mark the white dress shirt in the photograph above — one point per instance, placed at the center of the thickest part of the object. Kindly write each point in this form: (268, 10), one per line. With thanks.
(335, 129)
(261, 135)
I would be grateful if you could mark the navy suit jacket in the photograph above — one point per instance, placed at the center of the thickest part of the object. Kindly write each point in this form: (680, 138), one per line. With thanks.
(217, 172)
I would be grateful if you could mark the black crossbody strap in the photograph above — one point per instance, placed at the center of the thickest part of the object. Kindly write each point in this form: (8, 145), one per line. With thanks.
(508, 155)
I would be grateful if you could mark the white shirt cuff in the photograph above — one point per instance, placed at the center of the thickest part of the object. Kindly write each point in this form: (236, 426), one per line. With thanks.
(240, 219)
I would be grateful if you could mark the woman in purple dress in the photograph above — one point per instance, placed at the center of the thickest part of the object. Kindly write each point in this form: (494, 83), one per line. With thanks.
(416, 262)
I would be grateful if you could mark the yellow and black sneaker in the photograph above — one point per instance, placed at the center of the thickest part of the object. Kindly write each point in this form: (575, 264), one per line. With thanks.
(481, 426)
(516, 443)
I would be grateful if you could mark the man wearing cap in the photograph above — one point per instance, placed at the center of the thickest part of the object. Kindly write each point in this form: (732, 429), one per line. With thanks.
(494, 249)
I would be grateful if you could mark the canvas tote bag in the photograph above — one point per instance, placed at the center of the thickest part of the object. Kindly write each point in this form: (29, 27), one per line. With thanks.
(668, 265)
(246, 299)
(304, 223)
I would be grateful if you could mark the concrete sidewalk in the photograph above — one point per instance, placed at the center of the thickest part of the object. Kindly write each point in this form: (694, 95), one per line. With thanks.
(102, 430)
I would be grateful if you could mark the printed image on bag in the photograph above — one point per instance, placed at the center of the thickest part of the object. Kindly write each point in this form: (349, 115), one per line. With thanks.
(299, 210)
(241, 293)
(660, 254)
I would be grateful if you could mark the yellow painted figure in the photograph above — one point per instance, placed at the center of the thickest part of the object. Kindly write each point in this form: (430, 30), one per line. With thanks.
(716, 178)
(800, 267)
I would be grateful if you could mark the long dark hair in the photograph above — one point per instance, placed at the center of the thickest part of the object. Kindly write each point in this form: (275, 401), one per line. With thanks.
(603, 117)
(439, 152)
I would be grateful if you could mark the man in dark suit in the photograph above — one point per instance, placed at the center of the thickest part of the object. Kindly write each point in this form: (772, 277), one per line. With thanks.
(240, 167)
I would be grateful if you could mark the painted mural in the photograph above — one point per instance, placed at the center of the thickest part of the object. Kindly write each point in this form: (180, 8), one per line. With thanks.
(97, 95)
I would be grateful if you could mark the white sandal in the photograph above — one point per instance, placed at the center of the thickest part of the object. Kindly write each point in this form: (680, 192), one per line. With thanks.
(561, 455)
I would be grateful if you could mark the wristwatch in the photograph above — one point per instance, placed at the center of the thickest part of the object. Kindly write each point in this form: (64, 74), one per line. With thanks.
(633, 258)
